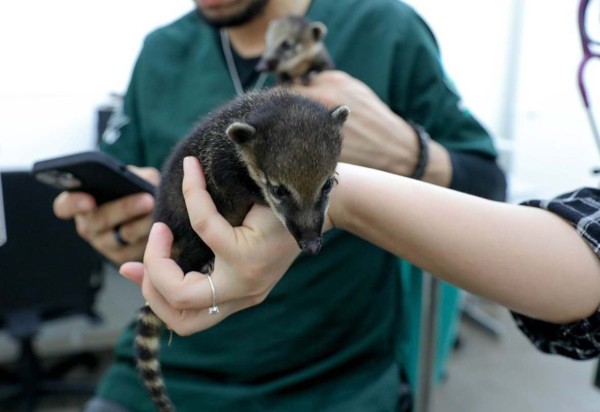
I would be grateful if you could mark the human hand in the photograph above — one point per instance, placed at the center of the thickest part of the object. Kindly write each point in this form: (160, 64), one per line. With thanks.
(249, 261)
(97, 224)
(374, 136)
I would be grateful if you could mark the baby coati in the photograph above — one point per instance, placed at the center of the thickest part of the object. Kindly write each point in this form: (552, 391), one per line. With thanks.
(272, 147)
(294, 49)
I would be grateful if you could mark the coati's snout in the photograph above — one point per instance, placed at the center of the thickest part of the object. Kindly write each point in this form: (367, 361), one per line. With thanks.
(311, 246)
(307, 229)
(267, 65)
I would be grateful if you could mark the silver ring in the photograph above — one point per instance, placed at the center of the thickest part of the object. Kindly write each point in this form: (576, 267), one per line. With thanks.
(214, 309)
(118, 238)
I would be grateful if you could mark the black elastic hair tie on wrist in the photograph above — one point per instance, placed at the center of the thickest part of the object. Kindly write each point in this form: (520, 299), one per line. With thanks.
(424, 138)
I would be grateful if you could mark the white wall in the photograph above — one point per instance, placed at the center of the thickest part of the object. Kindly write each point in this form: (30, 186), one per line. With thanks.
(553, 148)
(61, 59)
(472, 36)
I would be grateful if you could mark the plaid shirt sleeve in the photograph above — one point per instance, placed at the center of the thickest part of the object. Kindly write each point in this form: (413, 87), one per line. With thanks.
(580, 339)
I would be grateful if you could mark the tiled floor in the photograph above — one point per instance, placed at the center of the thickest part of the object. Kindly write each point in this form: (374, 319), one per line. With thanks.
(508, 374)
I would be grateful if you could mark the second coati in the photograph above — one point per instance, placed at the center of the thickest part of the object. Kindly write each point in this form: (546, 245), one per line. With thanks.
(271, 147)
(294, 49)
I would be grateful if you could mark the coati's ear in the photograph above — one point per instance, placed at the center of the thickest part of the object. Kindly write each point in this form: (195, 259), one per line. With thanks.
(318, 30)
(340, 114)
(240, 132)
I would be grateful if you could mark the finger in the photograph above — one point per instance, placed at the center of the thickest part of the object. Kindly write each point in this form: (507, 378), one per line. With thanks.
(160, 241)
(171, 316)
(187, 322)
(134, 271)
(136, 230)
(181, 291)
(172, 296)
(263, 232)
(107, 244)
(150, 174)
(163, 272)
(119, 211)
(190, 292)
(208, 223)
(262, 218)
(182, 322)
(68, 204)
(132, 233)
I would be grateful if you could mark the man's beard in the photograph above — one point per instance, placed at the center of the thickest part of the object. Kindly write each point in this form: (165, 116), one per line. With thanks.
(255, 8)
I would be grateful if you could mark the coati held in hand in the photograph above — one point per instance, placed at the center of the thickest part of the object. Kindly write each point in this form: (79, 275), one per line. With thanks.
(294, 49)
(272, 147)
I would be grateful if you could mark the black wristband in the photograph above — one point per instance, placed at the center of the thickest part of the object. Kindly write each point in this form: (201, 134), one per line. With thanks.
(424, 138)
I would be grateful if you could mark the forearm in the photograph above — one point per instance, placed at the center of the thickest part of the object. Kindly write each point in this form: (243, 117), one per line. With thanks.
(394, 147)
(524, 258)
(374, 135)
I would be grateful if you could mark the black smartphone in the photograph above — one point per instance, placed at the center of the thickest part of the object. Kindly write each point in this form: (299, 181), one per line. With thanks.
(94, 172)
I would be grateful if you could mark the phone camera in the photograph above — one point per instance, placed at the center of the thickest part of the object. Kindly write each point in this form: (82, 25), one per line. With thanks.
(59, 179)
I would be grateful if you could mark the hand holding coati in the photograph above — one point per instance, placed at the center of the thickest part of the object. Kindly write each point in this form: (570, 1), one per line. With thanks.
(275, 148)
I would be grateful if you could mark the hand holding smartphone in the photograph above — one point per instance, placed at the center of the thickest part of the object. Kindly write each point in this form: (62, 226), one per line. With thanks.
(94, 172)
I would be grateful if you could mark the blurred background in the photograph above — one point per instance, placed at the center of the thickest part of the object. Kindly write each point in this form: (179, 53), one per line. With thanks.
(514, 61)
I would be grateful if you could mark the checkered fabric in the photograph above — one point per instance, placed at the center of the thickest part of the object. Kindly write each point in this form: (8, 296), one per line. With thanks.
(580, 339)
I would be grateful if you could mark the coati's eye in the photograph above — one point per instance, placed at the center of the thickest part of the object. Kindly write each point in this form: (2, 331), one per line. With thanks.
(278, 192)
(286, 45)
(328, 186)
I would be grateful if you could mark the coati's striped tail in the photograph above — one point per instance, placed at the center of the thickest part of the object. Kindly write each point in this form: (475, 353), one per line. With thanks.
(147, 345)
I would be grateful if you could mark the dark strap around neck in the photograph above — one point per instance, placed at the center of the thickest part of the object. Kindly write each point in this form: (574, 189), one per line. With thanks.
(245, 67)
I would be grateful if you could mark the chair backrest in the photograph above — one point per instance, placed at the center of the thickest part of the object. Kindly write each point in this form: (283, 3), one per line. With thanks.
(45, 267)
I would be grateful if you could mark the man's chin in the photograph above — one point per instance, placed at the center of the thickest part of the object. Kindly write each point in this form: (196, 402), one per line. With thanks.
(230, 13)
(204, 4)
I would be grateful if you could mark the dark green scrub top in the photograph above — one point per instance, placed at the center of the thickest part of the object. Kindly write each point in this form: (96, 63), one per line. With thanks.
(334, 333)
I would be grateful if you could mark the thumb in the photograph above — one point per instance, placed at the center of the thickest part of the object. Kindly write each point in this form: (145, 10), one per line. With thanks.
(262, 218)
(134, 271)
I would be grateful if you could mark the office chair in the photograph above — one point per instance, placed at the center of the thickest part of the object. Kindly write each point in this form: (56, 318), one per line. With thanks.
(47, 272)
